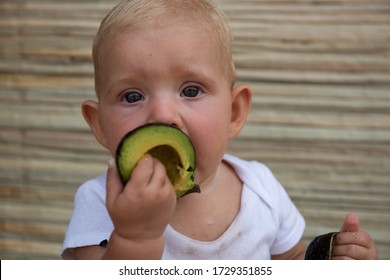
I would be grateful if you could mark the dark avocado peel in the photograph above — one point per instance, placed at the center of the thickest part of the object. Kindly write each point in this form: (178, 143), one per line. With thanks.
(171, 146)
(320, 248)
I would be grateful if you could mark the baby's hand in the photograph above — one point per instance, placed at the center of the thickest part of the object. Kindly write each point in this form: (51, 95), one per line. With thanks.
(142, 209)
(351, 243)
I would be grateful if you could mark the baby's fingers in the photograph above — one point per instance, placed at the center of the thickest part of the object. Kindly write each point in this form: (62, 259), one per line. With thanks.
(360, 238)
(142, 173)
(349, 252)
(354, 245)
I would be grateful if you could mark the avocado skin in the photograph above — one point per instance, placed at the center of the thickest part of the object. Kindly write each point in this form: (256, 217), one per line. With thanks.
(168, 144)
(320, 248)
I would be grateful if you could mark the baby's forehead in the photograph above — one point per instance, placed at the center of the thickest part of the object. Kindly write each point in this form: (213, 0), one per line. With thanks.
(165, 40)
(164, 22)
(198, 15)
(150, 33)
(141, 14)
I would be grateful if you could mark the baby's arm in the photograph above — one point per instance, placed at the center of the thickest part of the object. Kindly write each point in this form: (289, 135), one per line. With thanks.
(140, 212)
(351, 243)
(295, 253)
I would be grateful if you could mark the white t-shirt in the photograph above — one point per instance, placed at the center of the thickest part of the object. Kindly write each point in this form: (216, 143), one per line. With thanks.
(268, 223)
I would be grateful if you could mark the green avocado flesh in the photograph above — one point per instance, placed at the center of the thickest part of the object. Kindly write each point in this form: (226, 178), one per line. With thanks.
(169, 145)
(320, 248)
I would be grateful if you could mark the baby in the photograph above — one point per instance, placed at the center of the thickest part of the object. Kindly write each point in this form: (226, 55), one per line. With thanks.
(170, 61)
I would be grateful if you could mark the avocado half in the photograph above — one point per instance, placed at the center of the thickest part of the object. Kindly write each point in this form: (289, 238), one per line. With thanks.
(169, 145)
(320, 248)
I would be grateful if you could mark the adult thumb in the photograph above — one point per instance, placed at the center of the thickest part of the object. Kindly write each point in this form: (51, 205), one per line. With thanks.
(351, 223)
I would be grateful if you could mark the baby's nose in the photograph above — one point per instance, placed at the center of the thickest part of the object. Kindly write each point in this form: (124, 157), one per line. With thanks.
(165, 111)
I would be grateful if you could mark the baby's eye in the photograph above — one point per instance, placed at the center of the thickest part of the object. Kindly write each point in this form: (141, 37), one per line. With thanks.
(191, 92)
(133, 97)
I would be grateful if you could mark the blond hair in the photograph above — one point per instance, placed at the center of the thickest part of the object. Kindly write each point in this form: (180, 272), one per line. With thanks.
(130, 15)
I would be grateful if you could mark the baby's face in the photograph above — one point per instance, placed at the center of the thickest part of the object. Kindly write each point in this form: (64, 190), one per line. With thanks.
(171, 75)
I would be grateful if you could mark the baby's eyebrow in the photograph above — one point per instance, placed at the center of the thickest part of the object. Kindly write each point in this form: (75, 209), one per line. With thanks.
(121, 81)
(199, 73)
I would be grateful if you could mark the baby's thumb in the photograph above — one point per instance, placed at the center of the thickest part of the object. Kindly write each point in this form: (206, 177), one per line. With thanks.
(351, 223)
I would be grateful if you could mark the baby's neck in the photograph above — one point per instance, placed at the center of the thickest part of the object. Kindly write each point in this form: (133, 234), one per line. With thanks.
(207, 215)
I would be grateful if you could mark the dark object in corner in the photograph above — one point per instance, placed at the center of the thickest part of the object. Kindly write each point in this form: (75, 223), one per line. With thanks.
(320, 248)
(103, 243)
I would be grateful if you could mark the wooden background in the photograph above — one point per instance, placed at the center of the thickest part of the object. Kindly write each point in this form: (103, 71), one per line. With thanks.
(320, 73)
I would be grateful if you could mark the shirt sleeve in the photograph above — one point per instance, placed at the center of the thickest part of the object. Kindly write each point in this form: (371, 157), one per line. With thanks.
(90, 222)
(291, 223)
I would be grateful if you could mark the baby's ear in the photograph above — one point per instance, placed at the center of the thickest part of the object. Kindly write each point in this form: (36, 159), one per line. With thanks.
(241, 104)
(90, 110)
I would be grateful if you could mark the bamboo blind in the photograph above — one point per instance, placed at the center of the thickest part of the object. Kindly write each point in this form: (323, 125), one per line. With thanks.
(320, 119)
